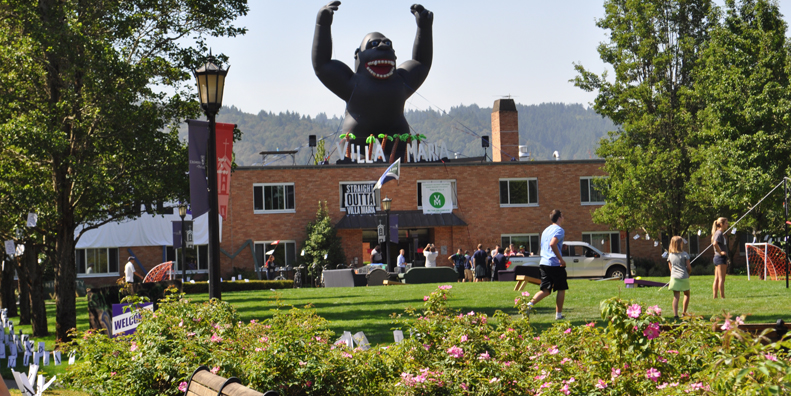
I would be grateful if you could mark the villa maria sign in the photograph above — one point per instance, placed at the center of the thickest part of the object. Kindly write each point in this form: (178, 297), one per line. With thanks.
(359, 198)
(415, 152)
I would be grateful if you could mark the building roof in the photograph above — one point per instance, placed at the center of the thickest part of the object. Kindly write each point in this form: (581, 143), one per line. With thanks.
(406, 219)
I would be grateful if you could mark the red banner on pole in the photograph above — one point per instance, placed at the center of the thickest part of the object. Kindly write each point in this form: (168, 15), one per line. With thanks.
(224, 161)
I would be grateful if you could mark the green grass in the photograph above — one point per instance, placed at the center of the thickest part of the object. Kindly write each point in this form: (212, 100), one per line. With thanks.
(368, 309)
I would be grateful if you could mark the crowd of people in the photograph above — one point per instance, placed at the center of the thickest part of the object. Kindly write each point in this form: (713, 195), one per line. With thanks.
(482, 265)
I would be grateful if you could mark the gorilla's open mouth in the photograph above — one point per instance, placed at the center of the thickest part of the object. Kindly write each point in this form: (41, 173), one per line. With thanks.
(381, 68)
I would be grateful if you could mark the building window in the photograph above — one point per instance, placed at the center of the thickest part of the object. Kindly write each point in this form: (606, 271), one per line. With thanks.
(609, 242)
(273, 198)
(589, 193)
(285, 252)
(420, 192)
(529, 241)
(99, 261)
(359, 197)
(197, 259)
(518, 192)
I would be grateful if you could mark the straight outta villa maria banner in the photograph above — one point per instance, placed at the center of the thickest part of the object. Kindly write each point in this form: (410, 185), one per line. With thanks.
(359, 198)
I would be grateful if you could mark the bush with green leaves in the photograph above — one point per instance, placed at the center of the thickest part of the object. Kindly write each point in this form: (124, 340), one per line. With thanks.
(444, 352)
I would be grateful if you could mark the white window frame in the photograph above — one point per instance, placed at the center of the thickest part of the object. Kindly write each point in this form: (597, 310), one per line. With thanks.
(524, 205)
(527, 248)
(597, 246)
(340, 194)
(177, 262)
(97, 274)
(296, 254)
(453, 186)
(265, 211)
(590, 191)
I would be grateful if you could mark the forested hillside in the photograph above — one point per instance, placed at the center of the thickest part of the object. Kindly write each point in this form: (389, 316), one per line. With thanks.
(570, 129)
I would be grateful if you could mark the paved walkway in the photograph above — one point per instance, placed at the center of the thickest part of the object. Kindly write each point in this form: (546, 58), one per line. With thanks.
(10, 384)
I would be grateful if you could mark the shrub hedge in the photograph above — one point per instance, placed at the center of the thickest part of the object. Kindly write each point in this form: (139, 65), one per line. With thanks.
(203, 287)
(443, 353)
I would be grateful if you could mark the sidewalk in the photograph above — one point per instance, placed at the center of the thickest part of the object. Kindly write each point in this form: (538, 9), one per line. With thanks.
(10, 384)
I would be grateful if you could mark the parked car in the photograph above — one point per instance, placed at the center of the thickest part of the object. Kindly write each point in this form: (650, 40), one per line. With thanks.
(583, 261)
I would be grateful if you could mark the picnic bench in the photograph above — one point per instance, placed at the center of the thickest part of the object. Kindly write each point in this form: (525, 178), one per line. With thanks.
(203, 382)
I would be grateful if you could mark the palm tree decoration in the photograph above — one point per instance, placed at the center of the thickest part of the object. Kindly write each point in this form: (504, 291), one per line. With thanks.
(370, 140)
(349, 137)
(384, 138)
(404, 137)
(418, 138)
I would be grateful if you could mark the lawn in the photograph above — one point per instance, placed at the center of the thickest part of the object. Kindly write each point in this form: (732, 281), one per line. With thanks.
(368, 309)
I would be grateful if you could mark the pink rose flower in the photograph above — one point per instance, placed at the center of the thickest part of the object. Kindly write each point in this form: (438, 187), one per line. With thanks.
(601, 384)
(727, 325)
(464, 338)
(425, 298)
(653, 374)
(183, 386)
(652, 331)
(634, 311)
(615, 373)
(484, 356)
(567, 331)
(525, 294)
(455, 352)
(215, 338)
(654, 310)
(133, 347)
(553, 350)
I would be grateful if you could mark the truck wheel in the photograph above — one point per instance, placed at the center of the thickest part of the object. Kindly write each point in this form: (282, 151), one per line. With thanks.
(616, 271)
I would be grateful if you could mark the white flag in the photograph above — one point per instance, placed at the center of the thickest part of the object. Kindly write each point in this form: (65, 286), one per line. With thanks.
(32, 219)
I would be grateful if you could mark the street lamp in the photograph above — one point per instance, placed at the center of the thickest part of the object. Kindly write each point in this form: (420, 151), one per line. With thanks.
(183, 262)
(386, 202)
(211, 84)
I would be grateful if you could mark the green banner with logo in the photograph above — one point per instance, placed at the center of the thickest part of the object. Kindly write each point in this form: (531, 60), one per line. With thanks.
(437, 197)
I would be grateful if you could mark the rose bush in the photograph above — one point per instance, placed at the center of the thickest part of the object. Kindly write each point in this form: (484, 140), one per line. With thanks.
(443, 353)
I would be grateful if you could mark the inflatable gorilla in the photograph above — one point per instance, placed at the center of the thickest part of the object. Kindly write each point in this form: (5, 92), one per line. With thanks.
(375, 92)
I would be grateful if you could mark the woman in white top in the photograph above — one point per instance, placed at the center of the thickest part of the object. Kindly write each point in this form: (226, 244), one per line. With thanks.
(431, 255)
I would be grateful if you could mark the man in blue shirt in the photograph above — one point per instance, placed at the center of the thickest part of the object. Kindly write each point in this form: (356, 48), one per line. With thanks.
(552, 265)
(498, 264)
(458, 260)
(401, 262)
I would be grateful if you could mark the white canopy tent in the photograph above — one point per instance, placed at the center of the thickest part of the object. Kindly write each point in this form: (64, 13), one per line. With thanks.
(146, 230)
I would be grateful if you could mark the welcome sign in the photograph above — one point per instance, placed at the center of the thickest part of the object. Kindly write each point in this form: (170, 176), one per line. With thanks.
(437, 197)
(125, 321)
(359, 198)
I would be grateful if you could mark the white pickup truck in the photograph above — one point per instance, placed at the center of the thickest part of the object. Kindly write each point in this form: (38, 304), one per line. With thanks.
(583, 261)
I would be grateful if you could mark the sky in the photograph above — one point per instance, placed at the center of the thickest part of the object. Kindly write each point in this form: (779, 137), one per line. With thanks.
(483, 51)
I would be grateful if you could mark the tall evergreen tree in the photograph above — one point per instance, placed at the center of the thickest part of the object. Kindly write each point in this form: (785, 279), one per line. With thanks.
(322, 245)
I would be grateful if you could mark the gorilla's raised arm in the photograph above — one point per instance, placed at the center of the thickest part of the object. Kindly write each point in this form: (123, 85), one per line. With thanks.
(423, 49)
(334, 74)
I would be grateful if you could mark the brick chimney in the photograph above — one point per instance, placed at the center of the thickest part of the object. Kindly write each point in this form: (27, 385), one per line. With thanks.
(505, 131)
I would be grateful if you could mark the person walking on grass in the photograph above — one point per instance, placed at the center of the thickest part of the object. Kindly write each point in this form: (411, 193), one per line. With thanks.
(720, 244)
(680, 268)
(552, 265)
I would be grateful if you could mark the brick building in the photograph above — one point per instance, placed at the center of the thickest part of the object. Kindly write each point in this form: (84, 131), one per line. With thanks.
(497, 202)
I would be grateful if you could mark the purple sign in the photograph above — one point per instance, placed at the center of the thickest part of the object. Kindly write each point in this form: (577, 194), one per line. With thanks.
(187, 234)
(125, 321)
(394, 228)
(199, 186)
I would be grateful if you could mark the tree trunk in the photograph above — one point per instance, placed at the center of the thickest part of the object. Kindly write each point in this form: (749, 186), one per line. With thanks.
(38, 311)
(393, 150)
(384, 143)
(7, 297)
(24, 290)
(65, 283)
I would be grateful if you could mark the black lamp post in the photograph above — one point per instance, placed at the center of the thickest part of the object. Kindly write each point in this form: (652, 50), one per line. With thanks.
(386, 206)
(183, 262)
(211, 83)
